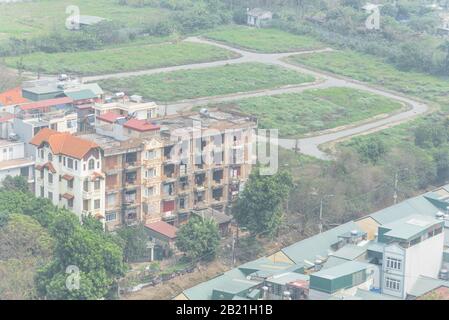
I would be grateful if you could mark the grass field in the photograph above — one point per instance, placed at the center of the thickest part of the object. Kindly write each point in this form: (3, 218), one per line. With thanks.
(314, 110)
(376, 71)
(128, 58)
(263, 40)
(33, 18)
(189, 84)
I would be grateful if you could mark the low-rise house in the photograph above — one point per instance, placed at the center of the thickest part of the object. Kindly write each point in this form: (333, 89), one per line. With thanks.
(69, 172)
(13, 161)
(258, 17)
(11, 98)
(162, 237)
(57, 114)
(400, 252)
(222, 219)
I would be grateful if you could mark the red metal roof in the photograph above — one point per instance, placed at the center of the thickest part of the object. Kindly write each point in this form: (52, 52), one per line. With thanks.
(140, 125)
(46, 103)
(163, 228)
(110, 117)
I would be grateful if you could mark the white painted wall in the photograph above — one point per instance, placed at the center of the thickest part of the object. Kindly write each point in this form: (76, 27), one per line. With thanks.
(424, 259)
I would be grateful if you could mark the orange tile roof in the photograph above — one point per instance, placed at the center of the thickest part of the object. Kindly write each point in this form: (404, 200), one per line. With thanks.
(140, 125)
(64, 143)
(68, 177)
(68, 196)
(12, 97)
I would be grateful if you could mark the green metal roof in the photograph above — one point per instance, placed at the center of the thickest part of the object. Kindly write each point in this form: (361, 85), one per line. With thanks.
(341, 270)
(410, 226)
(288, 277)
(426, 284)
(350, 252)
(81, 94)
(266, 267)
(318, 245)
(333, 261)
(370, 295)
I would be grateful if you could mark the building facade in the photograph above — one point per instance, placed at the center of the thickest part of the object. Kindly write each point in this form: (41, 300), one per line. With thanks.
(69, 172)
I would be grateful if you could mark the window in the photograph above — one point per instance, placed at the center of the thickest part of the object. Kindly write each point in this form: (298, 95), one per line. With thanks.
(70, 203)
(91, 164)
(50, 178)
(98, 164)
(60, 159)
(42, 174)
(70, 184)
(393, 284)
(149, 192)
(393, 263)
(150, 173)
(151, 154)
(50, 157)
(182, 203)
(63, 161)
(97, 204)
(76, 165)
(54, 126)
(111, 199)
(86, 185)
(111, 216)
(41, 153)
(97, 185)
(50, 195)
(70, 163)
(86, 205)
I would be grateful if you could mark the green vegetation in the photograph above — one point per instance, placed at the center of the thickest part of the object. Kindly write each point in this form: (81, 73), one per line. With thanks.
(263, 40)
(112, 60)
(374, 70)
(39, 241)
(189, 84)
(134, 242)
(199, 239)
(314, 110)
(40, 17)
(259, 207)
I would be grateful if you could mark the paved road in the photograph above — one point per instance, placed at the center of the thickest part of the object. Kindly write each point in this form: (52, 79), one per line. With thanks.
(309, 145)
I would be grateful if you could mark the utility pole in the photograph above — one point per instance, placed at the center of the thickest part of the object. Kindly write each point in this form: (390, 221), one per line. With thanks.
(233, 249)
(320, 226)
(396, 182)
(395, 195)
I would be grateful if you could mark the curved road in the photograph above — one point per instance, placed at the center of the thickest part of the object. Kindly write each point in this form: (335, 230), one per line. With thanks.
(309, 145)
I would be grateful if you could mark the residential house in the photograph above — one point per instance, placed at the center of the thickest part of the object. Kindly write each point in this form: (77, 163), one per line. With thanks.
(69, 172)
(258, 17)
(400, 252)
(13, 161)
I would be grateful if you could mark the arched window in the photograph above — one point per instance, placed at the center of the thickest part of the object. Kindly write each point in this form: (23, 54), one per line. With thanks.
(50, 157)
(91, 164)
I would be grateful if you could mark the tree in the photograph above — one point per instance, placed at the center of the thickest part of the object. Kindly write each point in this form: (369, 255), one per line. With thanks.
(259, 207)
(135, 240)
(24, 247)
(17, 183)
(98, 258)
(371, 149)
(445, 47)
(199, 238)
